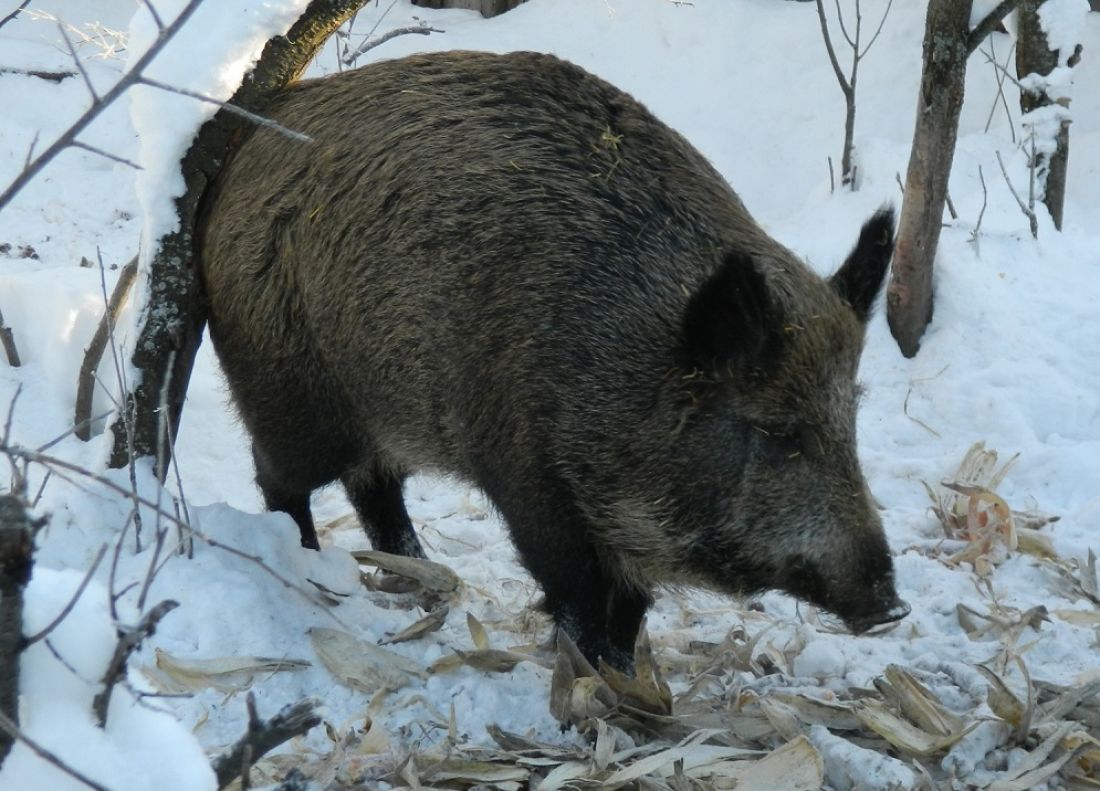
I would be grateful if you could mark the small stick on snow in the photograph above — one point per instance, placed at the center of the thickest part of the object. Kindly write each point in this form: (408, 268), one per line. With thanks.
(262, 737)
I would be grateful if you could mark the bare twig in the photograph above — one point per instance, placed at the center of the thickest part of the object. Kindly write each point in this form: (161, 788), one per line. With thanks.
(8, 340)
(129, 640)
(68, 608)
(85, 385)
(981, 214)
(264, 736)
(98, 106)
(844, 85)
(989, 24)
(14, 13)
(897, 177)
(153, 13)
(16, 557)
(76, 62)
(992, 56)
(107, 155)
(1003, 71)
(259, 120)
(832, 178)
(57, 464)
(951, 207)
(881, 22)
(370, 44)
(848, 82)
(12, 730)
(1029, 213)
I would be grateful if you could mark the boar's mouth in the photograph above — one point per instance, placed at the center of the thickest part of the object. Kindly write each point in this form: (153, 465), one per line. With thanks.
(860, 624)
(862, 607)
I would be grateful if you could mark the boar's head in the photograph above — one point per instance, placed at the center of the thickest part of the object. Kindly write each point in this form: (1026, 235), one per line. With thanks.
(776, 497)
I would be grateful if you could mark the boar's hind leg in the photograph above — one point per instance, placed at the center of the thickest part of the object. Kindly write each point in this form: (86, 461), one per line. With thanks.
(283, 493)
(378, 500)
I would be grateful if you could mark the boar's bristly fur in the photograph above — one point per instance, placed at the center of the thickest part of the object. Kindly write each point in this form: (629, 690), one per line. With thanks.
(503, 268)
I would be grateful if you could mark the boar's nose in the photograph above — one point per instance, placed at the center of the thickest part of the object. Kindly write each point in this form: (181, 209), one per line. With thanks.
(893, 613)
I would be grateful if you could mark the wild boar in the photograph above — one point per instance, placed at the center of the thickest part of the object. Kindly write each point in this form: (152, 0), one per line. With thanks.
(503, 268)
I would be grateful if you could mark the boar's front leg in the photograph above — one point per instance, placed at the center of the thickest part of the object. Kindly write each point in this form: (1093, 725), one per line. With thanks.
(379, 501)
(584, 594)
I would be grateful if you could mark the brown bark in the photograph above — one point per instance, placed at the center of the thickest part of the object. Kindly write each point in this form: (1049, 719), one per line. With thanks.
(1033, 56)
(909, 294)
(16, 548)
(173, 320)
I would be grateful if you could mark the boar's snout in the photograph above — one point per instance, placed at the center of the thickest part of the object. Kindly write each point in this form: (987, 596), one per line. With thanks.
(862, 600)
(895, 611)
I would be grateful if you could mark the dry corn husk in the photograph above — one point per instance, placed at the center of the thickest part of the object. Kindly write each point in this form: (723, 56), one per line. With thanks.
(432, 622)
(921, 706)
(361, 664)
(433, 576)
(903, 734)
(970, 509)
(224, 673)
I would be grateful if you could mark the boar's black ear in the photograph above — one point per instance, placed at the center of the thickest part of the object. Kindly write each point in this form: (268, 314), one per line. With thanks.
(859, 280)
(732, 321)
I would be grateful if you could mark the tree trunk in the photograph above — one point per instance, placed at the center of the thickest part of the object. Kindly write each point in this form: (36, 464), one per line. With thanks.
(16, 547)
(1033, 56)
(909, 294)
(175, 316)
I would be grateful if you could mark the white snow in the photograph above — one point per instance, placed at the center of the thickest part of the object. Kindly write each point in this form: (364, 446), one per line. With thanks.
(1011, 359)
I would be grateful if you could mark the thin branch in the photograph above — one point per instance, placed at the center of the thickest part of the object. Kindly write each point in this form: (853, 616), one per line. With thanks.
(129, 641)
(370, 44)
(68, 608)
(981, 214)
(41, 489)
(1004, 71)
(259, 120)
(844, 86)
(56, 463)
(76, 62)
(107, 155)
(14, 13)
(8, 341)
(30, 150)
(881, 22)
(992, 56)
(153, 13)
(69, 135)
(989, 24)
(262, 737)
(94, 353)
(1032, 221)
(12, 730)
(843, 29)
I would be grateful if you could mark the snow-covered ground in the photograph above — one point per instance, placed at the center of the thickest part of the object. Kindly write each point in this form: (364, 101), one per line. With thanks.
(1012, 359)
